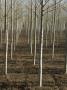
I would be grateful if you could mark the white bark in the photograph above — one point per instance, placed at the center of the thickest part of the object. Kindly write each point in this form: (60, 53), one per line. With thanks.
(54, 27)
(38, 28)
(35, 49)
(46, 33)
(12, 46)
(1, 21)
(51, 33)
(46, 40)
(35, 34)
(16, 37)
(66, 47)
(53, 44)
(17, 33)
(12, 32)
(41, 62)
(6, 51)
(31, 43)
(28, 27)
(38, 35)
(28, 36)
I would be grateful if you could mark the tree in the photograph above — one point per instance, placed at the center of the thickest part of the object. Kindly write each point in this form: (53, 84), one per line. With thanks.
(31, 42)
(1, 21)
(41, 42)
(46, 26)
(5, 28)
(66, 47)
(54, 26)
(11, 30)
(35, 35)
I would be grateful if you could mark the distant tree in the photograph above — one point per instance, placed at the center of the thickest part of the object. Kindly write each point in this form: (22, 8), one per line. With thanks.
(31, 42)
(12, 29)
(54, 28)
(5, 28)
(35, 41)
(66, 46)
(1, 20)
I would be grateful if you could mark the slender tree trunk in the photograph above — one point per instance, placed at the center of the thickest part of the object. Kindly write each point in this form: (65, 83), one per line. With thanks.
(31, 30)
(54, 23)
(66, 47)
(39, 35)
(16, 30)
(46, 26)
(41, 43)
(39, 21)
(12, 31)
(5, 28)
(28, 27)
(51, 34)
(35, 36)
(1, 36)
(1, 21)
(51, 29)
(6, 49)
(14, 48)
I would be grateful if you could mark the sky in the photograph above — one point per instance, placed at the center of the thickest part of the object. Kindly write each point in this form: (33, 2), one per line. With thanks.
(65, 0)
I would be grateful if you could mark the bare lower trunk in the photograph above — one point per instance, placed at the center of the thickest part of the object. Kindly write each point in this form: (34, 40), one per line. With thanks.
(28, 36)
(1, 36)
(12, 47)
(16, 29)
(28, 28)
(53, 51)
(1, 21)
(54, 27)
(5, 24)
(66, 47)
(14, 44)
(41, 62)
(46, 40)
(41, 44)
(35, 36)
(11, 31)
(46, 27)
(31, 43)
(6, 51)
(16, 37)
(11, 51)
(51, 34)
(35, 50)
